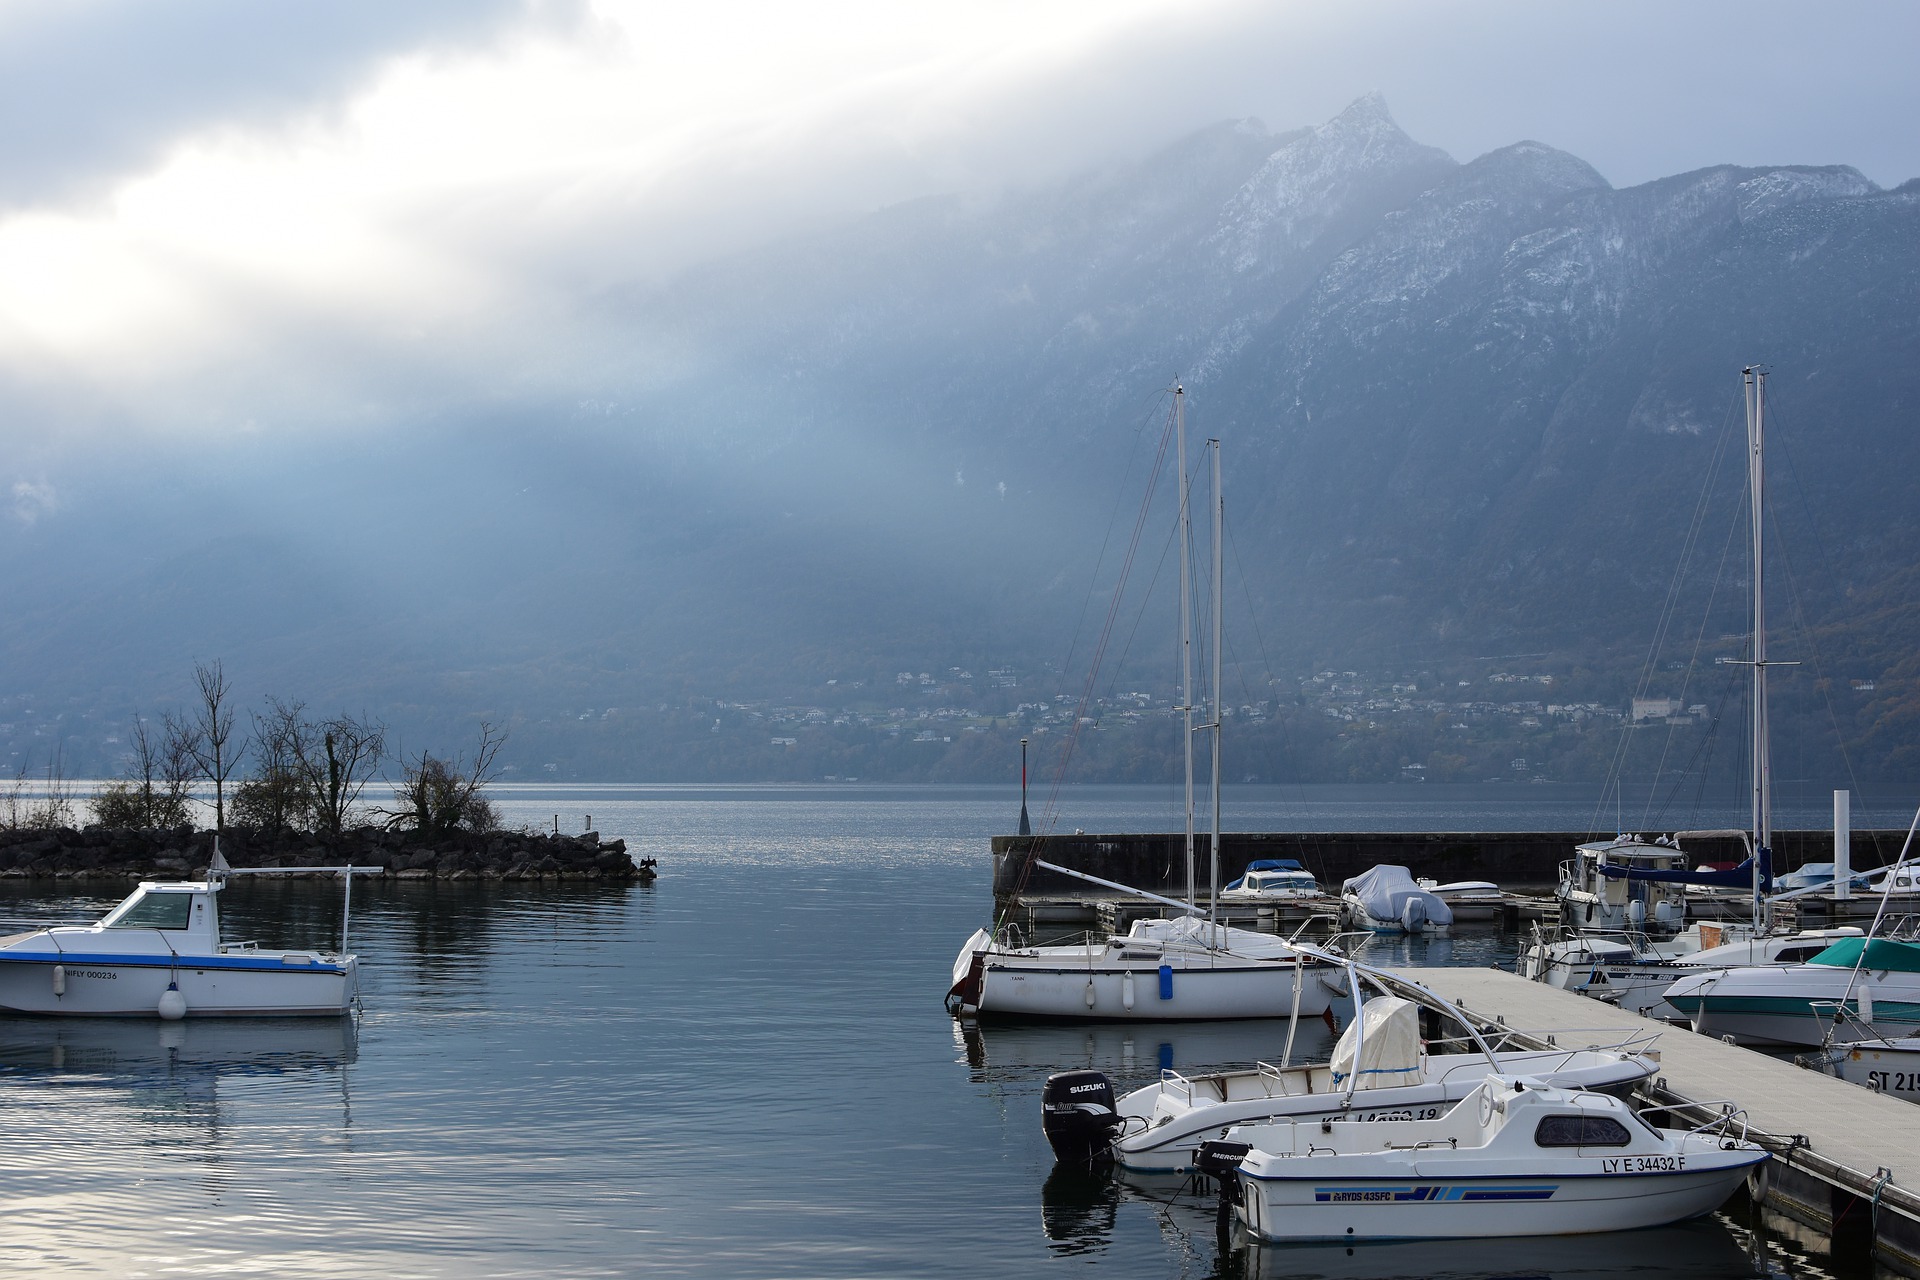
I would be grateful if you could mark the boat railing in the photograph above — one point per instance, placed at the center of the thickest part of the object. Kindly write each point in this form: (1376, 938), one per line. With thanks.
(1633, 1044)
(1904, 928)
(1637, 940)
(1722, 1124)
(1272, 1076)
(1172, 1081)
(1835, 1013)
(1349, 944)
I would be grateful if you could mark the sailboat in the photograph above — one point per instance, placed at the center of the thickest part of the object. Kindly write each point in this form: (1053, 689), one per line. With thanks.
(1616, 890)
(1182, 968)
(1774, 1005)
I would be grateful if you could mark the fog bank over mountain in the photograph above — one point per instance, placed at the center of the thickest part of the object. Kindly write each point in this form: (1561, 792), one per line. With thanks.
(1467, 409)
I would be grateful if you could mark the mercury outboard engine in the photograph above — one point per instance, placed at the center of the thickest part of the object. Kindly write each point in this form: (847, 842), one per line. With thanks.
(1221, 1161)
(1077, 1115)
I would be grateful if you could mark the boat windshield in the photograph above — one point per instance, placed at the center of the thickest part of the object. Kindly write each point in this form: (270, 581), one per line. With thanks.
(1580, 1131)
(154, 911)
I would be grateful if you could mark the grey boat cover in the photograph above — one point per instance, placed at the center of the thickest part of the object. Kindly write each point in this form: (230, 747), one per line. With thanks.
(1388, 893)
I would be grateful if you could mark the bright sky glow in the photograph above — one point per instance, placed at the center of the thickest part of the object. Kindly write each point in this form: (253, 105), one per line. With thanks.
(444, 195)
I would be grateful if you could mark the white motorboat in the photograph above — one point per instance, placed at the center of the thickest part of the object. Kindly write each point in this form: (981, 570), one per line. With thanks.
(1515, 1157)
(1633, 972)
(1591, 901)
(1275, 880)
(1387, 900)
(1380, 1068)
(159, 954)
(1159, 970)
(1876, 980)
(1468, 899)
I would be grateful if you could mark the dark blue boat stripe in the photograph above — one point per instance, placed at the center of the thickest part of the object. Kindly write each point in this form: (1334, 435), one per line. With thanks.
(108, 960)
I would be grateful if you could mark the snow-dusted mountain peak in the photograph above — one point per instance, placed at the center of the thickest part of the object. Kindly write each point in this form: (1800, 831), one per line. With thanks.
(1358, 159)
(1777, 188)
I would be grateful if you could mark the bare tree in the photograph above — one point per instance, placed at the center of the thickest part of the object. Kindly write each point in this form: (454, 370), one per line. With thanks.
(443, 795)
(149, 794)
(177, 772)
(53, 807)
(338, 767)
(208, 735)
(275, 797)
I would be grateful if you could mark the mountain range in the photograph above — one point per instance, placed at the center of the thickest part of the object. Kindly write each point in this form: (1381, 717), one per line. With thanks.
(1471, 413)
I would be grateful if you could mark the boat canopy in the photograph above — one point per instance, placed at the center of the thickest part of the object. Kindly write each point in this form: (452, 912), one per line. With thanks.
(1382, 1047)
(1267, 864)
(1881, 953)
(1735, 877)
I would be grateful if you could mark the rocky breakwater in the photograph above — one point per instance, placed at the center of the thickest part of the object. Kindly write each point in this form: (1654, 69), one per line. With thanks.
(100, 853)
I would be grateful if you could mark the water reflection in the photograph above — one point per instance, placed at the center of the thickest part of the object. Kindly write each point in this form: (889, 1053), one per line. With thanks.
(1077, 1210)
(1187, 1213)
(1707, 1249)
(1131, 1052)
(143, 1051)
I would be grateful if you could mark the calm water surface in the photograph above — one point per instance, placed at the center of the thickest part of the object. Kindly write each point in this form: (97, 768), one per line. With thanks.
(742, 1070)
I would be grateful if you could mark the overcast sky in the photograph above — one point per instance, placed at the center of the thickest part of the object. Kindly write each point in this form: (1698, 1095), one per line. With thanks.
(229, 216)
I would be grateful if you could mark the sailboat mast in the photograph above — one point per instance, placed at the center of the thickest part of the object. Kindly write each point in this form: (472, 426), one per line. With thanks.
(1219, 594)
(1186, 614)
(1756, 386)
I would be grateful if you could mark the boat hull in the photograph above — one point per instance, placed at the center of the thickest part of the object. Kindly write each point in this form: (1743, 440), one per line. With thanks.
(1166, 1145)
(109, 986)
(1793, 1008)
(1882, 1066)
(1149, 993)
(1306, 1207)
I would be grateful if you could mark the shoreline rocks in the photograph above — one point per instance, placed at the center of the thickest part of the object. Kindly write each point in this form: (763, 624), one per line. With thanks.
(179, 853)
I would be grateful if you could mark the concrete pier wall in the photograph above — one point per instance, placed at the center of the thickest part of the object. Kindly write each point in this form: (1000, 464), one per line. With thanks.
(1512, 859)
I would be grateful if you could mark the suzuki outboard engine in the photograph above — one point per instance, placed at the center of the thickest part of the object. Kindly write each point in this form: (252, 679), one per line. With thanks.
(1077, 1115)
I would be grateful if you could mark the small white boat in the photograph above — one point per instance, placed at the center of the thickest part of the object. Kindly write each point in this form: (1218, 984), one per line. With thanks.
(1275, 880)
(1468, 899)
(1387, 900)
(1859, 1055)
(1515, 1157)
(1380, 1068)
(159, 954)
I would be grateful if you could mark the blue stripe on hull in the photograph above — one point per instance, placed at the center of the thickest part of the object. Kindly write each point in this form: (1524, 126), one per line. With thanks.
(121, 960)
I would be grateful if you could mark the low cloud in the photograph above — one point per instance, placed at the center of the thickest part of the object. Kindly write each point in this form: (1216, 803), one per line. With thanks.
(33, 499)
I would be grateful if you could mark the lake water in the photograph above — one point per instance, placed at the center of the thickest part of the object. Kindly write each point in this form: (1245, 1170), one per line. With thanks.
(743, 1069)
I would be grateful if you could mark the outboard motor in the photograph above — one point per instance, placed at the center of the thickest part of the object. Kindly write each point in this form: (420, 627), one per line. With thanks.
(1413, 916)
(1221, 1161)
(1077, 1115)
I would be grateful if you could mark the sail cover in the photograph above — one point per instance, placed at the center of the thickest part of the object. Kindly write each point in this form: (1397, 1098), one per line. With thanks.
(1740, 877)
(1382, 1048)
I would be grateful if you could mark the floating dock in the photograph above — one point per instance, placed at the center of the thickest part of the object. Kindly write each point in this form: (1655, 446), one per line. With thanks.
(1846, 1159)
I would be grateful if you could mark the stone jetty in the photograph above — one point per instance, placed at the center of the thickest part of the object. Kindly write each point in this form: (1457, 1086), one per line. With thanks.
(172, 853)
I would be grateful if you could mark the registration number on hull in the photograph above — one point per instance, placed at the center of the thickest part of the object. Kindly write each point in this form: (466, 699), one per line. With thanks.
(1643, 1164)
